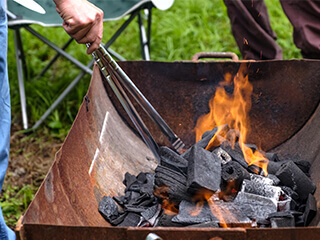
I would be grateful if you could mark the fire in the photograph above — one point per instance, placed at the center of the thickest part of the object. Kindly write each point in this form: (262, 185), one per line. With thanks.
(232, 109)
(168, 207)
(207, 196)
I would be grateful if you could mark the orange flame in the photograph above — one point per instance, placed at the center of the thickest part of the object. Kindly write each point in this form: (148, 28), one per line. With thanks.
(207, 196)
(232, 109)
(168, 207)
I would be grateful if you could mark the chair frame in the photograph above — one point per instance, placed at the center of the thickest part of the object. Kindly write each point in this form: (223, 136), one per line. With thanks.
(21, 60)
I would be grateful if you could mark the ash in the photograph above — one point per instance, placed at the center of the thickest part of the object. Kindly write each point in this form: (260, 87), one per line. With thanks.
(215, 188)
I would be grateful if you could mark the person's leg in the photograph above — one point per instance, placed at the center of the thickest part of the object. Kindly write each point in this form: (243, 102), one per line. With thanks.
(5, 114)
(305, 19)
(251, 29)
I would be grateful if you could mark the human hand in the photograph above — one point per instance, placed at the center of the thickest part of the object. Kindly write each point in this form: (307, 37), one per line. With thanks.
(82, 20)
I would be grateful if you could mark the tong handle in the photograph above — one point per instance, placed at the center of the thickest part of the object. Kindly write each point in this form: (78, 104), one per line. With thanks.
(100, 53)
(127, 105)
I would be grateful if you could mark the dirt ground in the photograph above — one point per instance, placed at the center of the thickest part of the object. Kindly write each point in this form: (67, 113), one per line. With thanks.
(31, 156)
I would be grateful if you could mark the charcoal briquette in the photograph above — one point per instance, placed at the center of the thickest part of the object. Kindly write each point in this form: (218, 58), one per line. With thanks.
(129, 179)
(204, 170)
(232, 174)
(273, 167)
(274, 179)
(134, 208)
(222, 155)
(235, 153)
(304, 166)
(173, 160)
(150, 212)
(292, 176)
(260, 179)
(287, 190)
(108, 208)
(282, 219)
(229, 214)
(310, 210)
(206, 137)
(278, 222)
(165, 220)
(190, 213)
(273, 157)
(268, 191)
(255, 206)
(131, 220)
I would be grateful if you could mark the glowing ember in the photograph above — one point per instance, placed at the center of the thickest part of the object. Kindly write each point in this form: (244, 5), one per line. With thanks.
(232, 109)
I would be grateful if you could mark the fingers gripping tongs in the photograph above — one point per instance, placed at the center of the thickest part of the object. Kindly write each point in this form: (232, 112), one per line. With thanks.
(117, 78)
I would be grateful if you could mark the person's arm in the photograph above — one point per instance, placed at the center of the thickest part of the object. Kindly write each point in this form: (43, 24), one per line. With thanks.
(82, 20)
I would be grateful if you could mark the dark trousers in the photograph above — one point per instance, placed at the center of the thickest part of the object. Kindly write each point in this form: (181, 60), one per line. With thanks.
(253, 33)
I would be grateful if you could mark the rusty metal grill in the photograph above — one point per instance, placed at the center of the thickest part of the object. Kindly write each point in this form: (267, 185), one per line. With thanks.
(102, 145)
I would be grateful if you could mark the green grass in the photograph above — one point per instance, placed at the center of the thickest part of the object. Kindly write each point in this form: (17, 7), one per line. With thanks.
(188, 27)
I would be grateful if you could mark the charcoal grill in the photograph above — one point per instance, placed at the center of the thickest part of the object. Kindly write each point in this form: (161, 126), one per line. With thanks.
(102, 145)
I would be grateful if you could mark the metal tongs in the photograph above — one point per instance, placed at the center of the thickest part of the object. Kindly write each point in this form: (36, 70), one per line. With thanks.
(117, 78)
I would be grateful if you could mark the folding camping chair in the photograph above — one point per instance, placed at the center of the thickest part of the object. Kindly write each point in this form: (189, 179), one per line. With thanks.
(23, 13)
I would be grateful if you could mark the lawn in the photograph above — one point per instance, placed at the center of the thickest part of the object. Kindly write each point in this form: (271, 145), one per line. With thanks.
(188, 27)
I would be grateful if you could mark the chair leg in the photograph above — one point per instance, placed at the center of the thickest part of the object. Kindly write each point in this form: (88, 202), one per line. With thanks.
(20, 66)
(85, 69)
(54, 59)
(143, 38)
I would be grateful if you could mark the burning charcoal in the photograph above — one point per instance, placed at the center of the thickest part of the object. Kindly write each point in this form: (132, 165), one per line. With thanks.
(229, 214)
(273, 157)
(171, 174)
(232, 136)
(264, 190)
(260, 179)
(255, 206)
(253, 147)
(190, 213)
(131, 220)
(171, 159)
(273, 167)
(165, 220)
(290, 193)
(274, 179)
(108, 208)
(256, 170)
(204, 170)
(222, 155)
(232, 175)
(292, 176)
(281, 219)
(206, 137)
(311, 210)
(174, 182)
(286, 203)
(236, 153)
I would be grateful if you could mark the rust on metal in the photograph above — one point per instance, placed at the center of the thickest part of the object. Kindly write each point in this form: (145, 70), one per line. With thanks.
(101, 145)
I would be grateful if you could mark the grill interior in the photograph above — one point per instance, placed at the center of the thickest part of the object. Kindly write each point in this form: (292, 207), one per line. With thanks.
(102, 145)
